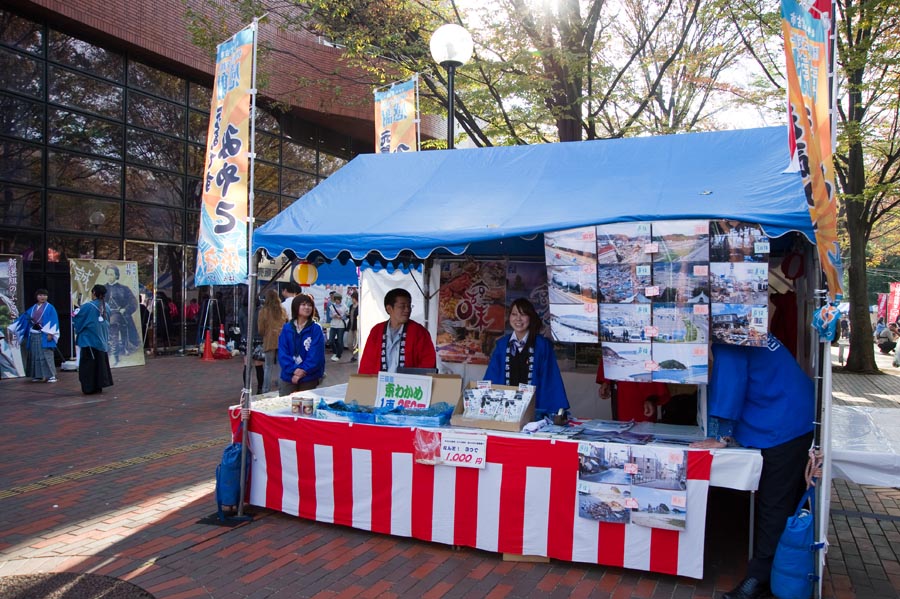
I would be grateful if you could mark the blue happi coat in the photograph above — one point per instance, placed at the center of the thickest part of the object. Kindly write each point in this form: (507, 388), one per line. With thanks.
(49, 327)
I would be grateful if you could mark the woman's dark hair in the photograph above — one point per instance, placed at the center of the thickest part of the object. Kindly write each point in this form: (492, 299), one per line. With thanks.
(99, 291)
(535, 324)
(40, 292)
(301, 298)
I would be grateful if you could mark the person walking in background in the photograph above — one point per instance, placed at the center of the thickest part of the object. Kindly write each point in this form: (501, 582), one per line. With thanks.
(336, 314)
(91, 322)
(353, 326)
(288, 293)
(39, 327)
(301, 349)
(270, 322)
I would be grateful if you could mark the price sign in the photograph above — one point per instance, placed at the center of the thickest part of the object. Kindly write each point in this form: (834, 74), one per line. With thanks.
(403, 390)
(464, 449)
(651, 248)
(701, 270)
(651, 291)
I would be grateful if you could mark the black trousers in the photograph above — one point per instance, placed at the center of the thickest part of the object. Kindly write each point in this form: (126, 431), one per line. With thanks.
(781, 484)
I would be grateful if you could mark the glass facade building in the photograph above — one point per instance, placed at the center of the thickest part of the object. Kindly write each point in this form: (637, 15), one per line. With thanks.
(101, 156)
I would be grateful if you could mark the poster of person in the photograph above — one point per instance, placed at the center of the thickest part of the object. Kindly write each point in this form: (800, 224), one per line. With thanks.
(472, 309)
(736, 241)
(680, 323)
(659, 487)
(12, 303)
(624, 323)
(604, 482)
(121, 281)
(740, 324)
(686, 363)
(623, 283)
(529, 280)
(739, 282)
(681, 282)
(574, 323)
(571, 247)
(627, 361)
(623, 243)
(681, 241)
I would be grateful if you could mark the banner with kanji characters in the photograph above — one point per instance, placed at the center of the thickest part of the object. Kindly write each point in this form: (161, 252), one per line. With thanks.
(806, 53)
(12, 303)
(222, 242)
(126, 339)
(893, 303)
(396, 118)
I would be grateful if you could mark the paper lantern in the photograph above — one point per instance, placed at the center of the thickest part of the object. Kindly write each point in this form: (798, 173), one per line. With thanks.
(305, 274)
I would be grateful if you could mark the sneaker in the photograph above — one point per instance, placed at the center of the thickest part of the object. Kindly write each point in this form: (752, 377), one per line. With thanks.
(36, 380)
(335, 359)
(52, 379)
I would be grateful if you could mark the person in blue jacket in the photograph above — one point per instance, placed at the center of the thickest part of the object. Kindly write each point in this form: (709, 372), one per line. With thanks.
(301, 348)
(91, 322)
(761, 398)
(39, 328)
(526, 356)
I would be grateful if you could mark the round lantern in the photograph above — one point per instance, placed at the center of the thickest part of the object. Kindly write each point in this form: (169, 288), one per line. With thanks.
(304, 273)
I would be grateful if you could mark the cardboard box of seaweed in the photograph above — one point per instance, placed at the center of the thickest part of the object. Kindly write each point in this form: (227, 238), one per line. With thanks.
(444, 387)
(498, 425)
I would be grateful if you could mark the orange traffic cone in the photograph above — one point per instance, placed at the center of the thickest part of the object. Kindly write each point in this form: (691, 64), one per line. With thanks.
(222, 352)
(207, 350)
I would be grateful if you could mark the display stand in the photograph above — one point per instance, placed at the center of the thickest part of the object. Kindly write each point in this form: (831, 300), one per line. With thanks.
(206, 322)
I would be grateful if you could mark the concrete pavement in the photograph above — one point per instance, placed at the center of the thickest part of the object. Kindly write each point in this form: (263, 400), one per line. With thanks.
(116, 485)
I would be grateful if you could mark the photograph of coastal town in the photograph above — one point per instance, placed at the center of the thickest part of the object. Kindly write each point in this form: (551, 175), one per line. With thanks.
(681, 282)
(626, 361)
(679, 323)
(623, 283)
(574, 323)
(571, 247)
(735, 241)
(574, 284)
(739, 282)
(625, 323)
(681, 241)
(659, 487)
(740, 324)
(604, 485)
(686, 363)
(623, 243)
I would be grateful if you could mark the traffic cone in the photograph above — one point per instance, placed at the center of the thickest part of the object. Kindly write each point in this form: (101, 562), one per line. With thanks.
(222, 352)
(207, 350)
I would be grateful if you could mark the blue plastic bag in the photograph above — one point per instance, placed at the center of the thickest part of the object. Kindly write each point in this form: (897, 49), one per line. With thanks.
(794, 566)
(228, 476)
(825, 321)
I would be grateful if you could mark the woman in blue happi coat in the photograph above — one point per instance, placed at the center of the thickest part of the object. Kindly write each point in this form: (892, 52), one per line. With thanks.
(38, 327)
(526, 356)
(91, 323)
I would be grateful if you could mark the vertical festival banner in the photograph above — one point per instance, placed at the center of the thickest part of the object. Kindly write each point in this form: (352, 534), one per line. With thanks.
(126, 340)
(222, 242)
(396, 118)
(806, 54)
(893, 303)
(12, 303)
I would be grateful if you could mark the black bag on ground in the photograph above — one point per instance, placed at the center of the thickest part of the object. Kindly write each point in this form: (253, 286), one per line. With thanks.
(228, 476)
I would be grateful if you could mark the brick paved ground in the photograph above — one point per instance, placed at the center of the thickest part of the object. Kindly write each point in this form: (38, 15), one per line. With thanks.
(115, 486)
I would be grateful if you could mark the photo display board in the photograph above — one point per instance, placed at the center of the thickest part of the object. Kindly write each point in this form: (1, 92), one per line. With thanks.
(661, 292)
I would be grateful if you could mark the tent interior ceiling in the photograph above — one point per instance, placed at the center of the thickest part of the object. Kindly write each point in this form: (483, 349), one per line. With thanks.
(497, 201)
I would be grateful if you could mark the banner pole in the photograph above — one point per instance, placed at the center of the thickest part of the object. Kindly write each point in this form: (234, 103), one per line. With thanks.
(253, 258)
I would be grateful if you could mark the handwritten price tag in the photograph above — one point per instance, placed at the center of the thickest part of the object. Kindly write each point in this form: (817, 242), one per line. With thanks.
(651, 291)
(651, 248)
(464, 449)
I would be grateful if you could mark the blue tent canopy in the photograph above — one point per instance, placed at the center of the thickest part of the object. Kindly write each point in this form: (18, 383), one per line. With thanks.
(495, 199)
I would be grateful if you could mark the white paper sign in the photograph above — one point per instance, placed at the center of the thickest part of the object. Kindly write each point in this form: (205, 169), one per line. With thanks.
(403, 391)
(464, 449)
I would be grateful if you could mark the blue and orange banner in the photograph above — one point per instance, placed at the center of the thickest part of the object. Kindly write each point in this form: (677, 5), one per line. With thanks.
(396, 118)
(807, 58)
(222, 243)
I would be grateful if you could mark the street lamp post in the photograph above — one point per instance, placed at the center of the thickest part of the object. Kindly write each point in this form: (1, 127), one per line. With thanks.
(451, 47)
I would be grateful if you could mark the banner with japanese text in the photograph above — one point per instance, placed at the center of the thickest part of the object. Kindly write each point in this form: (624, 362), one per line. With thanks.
(222, 243)
(12, 303)
(893, 303)
(806, 53)
(396, 119)
(126, 340)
